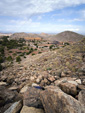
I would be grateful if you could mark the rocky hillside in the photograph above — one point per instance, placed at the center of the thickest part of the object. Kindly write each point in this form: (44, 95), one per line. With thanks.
(24, 35)
(50, 82)
(67, 36)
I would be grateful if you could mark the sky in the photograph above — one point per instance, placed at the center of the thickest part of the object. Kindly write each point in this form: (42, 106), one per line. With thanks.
(36, 16)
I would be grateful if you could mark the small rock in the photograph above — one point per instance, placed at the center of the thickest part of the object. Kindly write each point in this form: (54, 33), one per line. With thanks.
(63, 74)
(51, 79)
(38, 80)
(27, 109)
(34, 84)
(32, 78)
(44, 82)
(24, 89)
(78, 81)
(3, 84)
(14, 88)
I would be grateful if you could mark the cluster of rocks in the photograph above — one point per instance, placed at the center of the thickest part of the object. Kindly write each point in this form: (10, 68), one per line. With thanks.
(65, 95)
(59, 88)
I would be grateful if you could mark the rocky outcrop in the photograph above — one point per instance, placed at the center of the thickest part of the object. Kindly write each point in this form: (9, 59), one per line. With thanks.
(27, 109)
(56, 101)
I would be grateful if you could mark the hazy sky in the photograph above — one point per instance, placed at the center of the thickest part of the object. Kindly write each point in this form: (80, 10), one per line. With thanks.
(50, 16)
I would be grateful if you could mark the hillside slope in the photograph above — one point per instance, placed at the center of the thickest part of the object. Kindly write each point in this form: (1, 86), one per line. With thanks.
(67, 36)
(69, 61)
(24, 35)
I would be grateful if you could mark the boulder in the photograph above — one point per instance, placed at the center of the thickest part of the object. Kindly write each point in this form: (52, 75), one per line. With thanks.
(55, 100)
(27, 109)
(81, 97)
(31, 97)
(69, 88)
(7, 96)
(15, 108)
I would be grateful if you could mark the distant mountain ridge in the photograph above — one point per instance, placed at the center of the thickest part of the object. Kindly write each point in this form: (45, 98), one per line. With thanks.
(66, 36)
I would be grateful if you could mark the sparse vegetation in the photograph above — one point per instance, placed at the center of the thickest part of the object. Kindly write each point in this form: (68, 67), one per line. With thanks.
(18, 59)
(9, 58)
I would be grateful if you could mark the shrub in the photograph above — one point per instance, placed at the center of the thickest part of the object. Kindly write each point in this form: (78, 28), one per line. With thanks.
(9, 58)
(30, 51)
(49, 68)
(14, 54)
(39, 52)
(10, 51)
(24, 56)
(51, 46)
(33, 54)
(18, 59)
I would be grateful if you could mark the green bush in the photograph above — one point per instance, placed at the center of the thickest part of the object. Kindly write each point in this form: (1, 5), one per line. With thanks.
(33, 53)
(49, 68)
(9, 58)
(51, 46)
(18, 59)
(24, 56)
(10, 51)
(39, 52)
(30, 51)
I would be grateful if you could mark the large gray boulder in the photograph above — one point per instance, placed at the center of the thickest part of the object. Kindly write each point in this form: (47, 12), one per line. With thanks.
(55, 100)
(31, 97)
